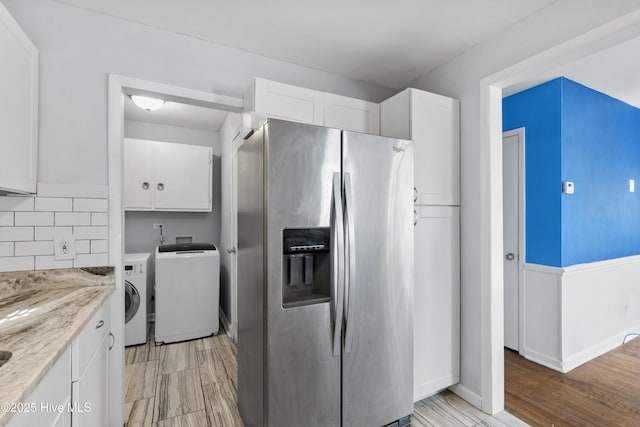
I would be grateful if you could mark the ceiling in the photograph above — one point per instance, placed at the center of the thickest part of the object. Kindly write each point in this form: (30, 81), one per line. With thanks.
(176, 114)
(390, 43)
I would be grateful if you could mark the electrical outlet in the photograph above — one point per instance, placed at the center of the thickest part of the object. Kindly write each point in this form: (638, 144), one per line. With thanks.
(64, 246)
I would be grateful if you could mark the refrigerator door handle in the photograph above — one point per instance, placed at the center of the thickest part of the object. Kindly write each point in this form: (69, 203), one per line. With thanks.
(350, 257)
(337, 230)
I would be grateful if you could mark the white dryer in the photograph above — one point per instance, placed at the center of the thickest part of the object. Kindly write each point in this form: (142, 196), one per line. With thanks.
(187, 291)
(137, 292)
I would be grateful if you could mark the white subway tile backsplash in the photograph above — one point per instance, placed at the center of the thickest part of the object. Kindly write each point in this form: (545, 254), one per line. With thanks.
(28, 225)
(33, 218)
(20, 203)
(34, 248)
(6, 249)
(83, 246)
(54, 204)
(97, 232)
(91, 260)
(16, 234)
(46, 233)
(6, 219)
(72, 218)
(90, 205)
(16, 263)
(99, 218)
(99, 246)
(48, 262)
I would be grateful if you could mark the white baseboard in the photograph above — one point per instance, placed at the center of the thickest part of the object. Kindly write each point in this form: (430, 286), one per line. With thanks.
(594, 351)
(432, 387)
(468, 395)
(543, 359)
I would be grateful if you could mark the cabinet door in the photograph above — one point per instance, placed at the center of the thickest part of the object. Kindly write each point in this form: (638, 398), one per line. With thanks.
(50, 397)
(351, 114)
(138, 174)
(435, 129)
(282, 101)
(90, 393)
(183, 177)
(18, 108)
(436, 299)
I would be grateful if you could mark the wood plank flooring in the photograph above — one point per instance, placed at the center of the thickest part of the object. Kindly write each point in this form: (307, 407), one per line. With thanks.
(194, 384)
(602, 392)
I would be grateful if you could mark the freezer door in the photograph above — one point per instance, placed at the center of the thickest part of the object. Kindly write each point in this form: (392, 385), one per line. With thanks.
(378, 344)
(303, 374)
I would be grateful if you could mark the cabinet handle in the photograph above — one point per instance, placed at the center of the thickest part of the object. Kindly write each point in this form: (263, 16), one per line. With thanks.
(100, 324)
(415, 194)
(231, 250)
(113, 341)
(160, 186)
(145, 185)
(415, 218)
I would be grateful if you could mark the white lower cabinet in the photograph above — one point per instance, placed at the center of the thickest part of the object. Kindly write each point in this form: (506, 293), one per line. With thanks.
(90, 392)
(48, 404)
(90, 371)
(436, 299)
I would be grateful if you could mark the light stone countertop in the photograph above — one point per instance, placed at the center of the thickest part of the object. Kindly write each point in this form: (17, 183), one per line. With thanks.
(41, 313)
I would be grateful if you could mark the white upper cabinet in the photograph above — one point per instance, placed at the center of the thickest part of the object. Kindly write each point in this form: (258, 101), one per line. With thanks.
(287, 102)
(167, 176)
(298, 104)
(351, 114)
(18, 108)
(183, 177)
(433, 123)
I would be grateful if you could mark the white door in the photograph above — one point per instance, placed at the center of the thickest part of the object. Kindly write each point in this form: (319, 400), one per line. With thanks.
(233, 225)
(513, 196)
(183, 176)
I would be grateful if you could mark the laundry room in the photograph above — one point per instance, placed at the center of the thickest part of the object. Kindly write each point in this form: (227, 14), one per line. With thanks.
(171, 203)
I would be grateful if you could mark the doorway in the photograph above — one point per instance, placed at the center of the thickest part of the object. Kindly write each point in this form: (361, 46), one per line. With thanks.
(536, 69)
(118, 88)
(513, 184)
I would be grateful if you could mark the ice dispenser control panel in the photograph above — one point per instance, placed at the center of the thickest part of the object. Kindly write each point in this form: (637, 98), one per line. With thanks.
(305, 266)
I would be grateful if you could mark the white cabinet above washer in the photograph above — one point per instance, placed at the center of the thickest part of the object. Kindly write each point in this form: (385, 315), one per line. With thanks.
(167, 176)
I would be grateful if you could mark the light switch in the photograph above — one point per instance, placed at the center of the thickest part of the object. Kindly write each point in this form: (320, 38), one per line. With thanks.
(632, 186)
(567, 187)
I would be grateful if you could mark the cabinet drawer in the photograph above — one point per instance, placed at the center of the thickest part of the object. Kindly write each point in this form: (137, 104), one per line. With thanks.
(89, 340)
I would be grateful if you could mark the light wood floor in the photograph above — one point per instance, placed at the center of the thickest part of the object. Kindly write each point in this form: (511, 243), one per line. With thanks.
(602, 392)
(194, 384)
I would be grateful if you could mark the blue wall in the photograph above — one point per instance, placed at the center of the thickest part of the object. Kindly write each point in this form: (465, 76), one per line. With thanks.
(594, 141)
(538, 110)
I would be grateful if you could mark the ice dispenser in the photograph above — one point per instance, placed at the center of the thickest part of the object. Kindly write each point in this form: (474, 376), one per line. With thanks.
(306, 266)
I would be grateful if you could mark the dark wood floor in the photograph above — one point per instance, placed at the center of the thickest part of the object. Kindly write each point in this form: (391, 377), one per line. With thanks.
(602, 392)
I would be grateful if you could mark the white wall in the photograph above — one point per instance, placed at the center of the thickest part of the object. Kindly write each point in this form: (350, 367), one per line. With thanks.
(78, 48)
(460, 78)
(177, 134)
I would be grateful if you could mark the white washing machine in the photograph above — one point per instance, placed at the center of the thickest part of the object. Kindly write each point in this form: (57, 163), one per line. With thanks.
(187, 291)
(137, 292)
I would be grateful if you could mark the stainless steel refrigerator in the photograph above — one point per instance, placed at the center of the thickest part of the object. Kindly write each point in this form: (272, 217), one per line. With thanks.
(325, 278)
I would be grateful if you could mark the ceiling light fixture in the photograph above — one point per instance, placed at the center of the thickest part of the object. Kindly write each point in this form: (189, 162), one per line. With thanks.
(147, 103)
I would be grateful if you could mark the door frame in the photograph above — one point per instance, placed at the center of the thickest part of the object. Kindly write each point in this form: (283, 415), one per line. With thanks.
(520, 134)
(118, 87)
(539, 68)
